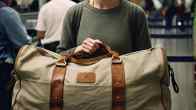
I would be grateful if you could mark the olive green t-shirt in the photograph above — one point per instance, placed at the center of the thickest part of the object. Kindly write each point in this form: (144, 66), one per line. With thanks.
(123, 28)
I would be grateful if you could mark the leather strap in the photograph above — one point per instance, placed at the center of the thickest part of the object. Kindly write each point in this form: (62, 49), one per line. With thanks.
(118, 85)
(57, 86)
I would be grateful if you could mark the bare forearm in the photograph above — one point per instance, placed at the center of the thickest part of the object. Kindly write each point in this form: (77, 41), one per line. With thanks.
(40, 34)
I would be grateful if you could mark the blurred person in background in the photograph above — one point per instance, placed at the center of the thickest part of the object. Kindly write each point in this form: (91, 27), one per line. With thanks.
(13, 35)
(194, 29)
(50, 22)
(179, 8)
(183, 12)
(24, 3)
(27, 5)
(136, 1)
(148, 6)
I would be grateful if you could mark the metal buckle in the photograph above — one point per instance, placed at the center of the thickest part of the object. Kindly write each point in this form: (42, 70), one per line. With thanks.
(116, 61)
(61, 64)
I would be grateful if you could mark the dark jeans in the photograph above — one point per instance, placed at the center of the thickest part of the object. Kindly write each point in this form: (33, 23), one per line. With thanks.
(5, 93)
(51, 46)
(169, 17)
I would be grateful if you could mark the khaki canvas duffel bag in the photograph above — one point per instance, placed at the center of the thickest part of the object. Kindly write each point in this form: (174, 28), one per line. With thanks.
(134, 81)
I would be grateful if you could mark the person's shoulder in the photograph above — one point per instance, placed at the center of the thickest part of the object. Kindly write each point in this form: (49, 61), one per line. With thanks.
(134, 8)
(77, 8)
(7, 11)
(8, 14)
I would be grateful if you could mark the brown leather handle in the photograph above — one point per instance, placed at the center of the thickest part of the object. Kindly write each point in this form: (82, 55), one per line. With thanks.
(87, 59)
(57, 86)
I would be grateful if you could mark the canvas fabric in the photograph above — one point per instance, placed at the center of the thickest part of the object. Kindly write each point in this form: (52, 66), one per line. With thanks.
(146, 77)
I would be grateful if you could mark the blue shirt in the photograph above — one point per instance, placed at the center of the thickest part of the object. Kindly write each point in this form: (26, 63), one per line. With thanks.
(13, 34)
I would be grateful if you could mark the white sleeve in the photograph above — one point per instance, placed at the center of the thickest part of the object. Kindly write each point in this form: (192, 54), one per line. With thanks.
(179, 2)
(188, 4)
(157, 4)
(41, 25)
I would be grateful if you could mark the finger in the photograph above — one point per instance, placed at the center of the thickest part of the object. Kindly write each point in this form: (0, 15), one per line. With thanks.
(89, 48)
(86, 50)
(87, 45)
(88, 42)
(92, 41)
(98, 41)
(93, 44)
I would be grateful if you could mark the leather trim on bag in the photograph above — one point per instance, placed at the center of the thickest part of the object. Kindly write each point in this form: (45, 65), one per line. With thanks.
(86, 77)
(88, 61)
(21, 50)
(57, 87)
(118, 85)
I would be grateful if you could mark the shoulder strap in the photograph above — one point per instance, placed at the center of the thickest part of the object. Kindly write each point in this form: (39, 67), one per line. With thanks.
(132, 17)
(75, 24)
(77, 18)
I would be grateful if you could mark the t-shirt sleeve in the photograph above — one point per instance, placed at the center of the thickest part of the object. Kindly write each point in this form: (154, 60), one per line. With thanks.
(141, 38)
(15, 30)
(69, 33)
(41, 25)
